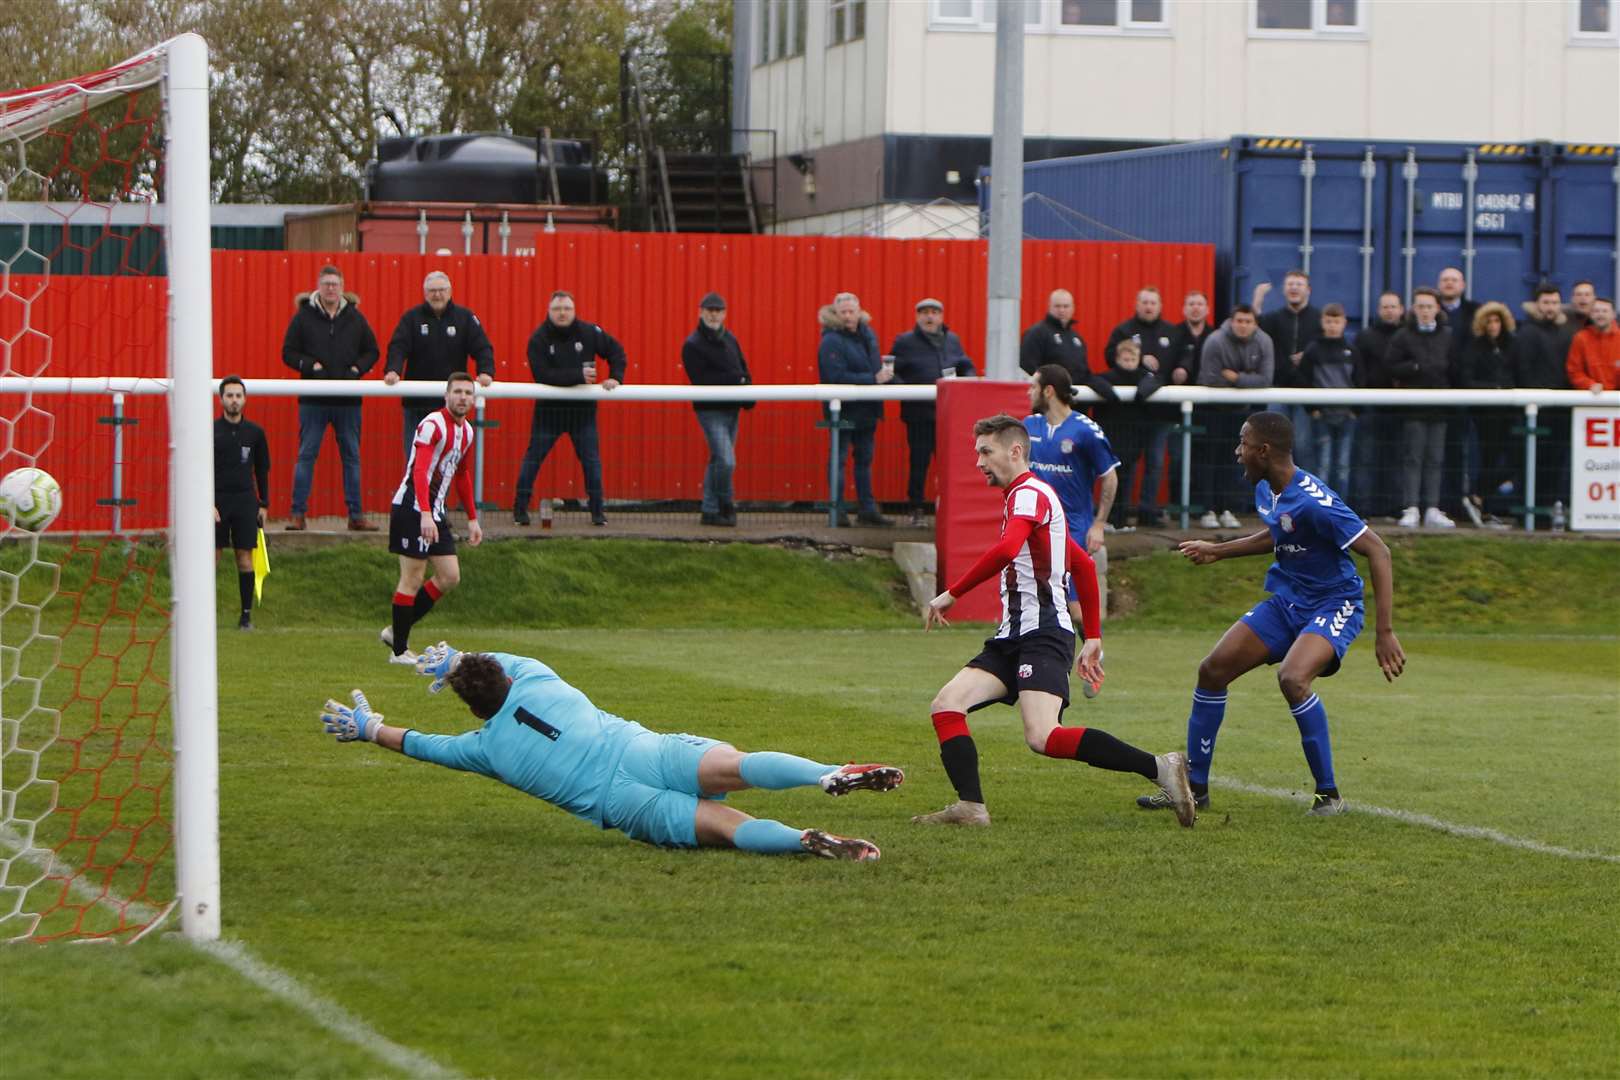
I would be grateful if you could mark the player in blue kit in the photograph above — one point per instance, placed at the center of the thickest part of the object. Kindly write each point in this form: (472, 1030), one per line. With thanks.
(1313, 613)
(545, 738)
(1070, 452)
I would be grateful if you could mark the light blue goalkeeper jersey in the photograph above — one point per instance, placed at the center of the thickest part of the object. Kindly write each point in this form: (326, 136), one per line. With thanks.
(548, 740)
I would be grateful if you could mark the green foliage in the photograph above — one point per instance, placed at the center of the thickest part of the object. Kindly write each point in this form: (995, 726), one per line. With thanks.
(1497, 584)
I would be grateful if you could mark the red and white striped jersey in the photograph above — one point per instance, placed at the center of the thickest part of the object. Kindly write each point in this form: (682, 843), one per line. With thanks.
(1035, 585)
(440, 445)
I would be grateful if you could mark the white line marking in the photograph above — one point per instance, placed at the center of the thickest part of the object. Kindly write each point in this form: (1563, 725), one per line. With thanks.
(1470, 832)
(234, 955)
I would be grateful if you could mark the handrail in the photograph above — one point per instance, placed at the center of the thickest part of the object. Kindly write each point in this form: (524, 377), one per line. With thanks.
(1200, 395)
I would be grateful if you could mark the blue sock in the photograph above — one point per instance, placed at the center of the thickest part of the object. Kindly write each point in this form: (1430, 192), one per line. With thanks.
(774, 771)
(1311, 716)
(1208, 710)
(768, 838)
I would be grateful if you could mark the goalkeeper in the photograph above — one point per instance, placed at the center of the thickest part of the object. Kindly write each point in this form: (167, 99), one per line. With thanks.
(544, 737)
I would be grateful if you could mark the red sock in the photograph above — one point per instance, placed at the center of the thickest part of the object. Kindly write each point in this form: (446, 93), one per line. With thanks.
(948, 725)
(1064, 742)
(432, 589)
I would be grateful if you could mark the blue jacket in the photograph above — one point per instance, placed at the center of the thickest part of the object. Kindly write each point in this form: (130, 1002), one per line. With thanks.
(917, 361)
(851, 356)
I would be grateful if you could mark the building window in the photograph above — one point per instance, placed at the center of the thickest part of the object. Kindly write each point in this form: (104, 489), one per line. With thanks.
(847, 21)
(1046, 15)
(1300, 18)
(1595, 21)
(781, 29)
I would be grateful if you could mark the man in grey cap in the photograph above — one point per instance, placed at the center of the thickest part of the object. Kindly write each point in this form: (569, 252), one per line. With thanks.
(923, 355)
(712, 357)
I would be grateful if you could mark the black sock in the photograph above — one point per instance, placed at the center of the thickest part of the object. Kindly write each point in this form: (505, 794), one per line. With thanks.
(244, 584)
(961, 757)
(1102, 750)
(424, 604)
(404, 616)
(1198, 789)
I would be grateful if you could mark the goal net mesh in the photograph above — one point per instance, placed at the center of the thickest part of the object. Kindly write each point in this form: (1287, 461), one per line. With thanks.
(86, 836)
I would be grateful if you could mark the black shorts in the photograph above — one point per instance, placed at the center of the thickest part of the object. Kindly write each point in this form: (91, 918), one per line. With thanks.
(405, 534)
(1038, 661)
(238, 524)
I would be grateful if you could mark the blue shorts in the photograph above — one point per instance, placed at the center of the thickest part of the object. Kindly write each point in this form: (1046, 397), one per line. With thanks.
(653, 796)
(1278, 623)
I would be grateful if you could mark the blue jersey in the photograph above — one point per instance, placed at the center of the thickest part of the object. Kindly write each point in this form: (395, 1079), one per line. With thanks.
(548, 740)
(1310, 530)
(1070, 457)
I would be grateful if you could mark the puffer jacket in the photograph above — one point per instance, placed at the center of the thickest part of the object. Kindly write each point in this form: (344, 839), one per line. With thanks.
(850, 356)
(342, 344)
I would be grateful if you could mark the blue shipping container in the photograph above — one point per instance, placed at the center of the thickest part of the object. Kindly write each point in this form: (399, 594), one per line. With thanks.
(1359, 217)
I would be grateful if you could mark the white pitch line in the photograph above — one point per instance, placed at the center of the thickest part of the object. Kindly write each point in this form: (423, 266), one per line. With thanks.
(1470, 832)
(277, 983)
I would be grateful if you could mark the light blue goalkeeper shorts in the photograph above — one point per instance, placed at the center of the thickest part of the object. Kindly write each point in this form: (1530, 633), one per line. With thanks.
(654, 794)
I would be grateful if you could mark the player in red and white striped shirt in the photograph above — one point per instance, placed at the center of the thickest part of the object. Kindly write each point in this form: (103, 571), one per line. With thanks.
(1027, 661)
(441, 452)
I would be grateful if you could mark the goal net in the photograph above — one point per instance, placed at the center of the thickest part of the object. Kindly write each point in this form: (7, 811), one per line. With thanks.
(108, 755)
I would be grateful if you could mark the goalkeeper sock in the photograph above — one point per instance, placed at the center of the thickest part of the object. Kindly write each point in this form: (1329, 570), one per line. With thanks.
(1101, 750)
(1311, 716)
(404, 615)
(1208, 710)
(959, 754)
(773, 771)
(764, 837)
(426, 597)
(244, 585)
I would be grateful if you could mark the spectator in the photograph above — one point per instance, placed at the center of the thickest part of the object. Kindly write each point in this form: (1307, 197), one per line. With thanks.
(1238, 356)
(1581, 296)
(923, 355)
(1539, 350)
(712, 356)
(1292, 328)
(1131, 430)
(1487, 364)
(1156, 340)
(1378, 430)
(433, 339)
(1594, 355)
(849, 354)
(563, 351)
(1331, 363)
(328, 339)
(1191, 333)
(1054, 340)
(1459, 310)
(1420, 359)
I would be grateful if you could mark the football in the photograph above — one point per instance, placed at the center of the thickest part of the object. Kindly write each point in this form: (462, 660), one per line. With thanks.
(30, 499)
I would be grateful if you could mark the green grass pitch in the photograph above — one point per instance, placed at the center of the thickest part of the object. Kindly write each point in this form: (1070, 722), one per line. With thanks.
(1077, 936)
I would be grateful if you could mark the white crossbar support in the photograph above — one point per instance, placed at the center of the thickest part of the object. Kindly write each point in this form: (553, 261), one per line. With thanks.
(194, 672)
(1200, 395)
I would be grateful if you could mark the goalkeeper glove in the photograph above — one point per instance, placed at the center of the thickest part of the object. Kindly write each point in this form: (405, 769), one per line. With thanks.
(437, 661)
(352, 724)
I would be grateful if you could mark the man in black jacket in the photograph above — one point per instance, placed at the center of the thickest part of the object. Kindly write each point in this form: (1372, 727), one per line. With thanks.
(433, 339)
(712, 357)
(1156, 342)
(563, 352)
(1055, 340)
(926, 353)
(1420, 358)
(328, 339)
(1374, 480)
(1191, 333)
(241, 487)
(1292, 328)
(1539, 352)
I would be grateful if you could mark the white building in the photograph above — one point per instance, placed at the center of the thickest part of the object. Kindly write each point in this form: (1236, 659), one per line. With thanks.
(882, 108)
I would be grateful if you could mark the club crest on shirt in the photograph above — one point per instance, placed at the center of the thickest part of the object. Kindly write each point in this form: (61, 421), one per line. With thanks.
(579, 346)
(450, 330)
(1286, 520)
(1067, 445)
(1058, 338)
(424, 329)
(1025, 671)
(247, 452)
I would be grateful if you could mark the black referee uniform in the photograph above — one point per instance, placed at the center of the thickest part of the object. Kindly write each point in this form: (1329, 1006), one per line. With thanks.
(241, 490)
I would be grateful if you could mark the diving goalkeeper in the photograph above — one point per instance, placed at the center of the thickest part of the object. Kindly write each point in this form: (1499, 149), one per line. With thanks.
(544, 737)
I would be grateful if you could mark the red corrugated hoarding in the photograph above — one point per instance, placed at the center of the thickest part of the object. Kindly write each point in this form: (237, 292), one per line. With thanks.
(643, 288)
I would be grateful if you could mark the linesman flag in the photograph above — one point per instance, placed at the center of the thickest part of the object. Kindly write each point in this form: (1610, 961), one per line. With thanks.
(261, 568)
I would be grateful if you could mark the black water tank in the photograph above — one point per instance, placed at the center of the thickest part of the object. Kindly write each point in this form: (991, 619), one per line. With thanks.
(481, 167)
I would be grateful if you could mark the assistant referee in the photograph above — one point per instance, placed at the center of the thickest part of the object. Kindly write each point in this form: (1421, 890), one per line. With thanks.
(241, 487)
